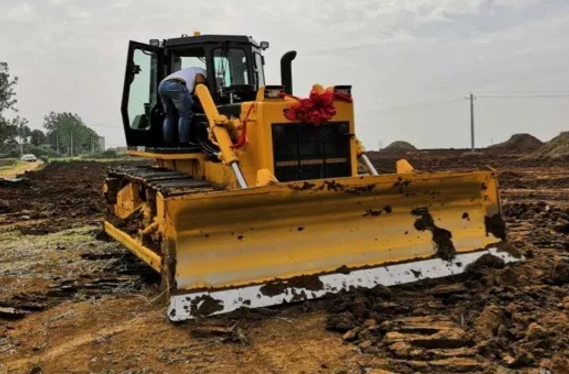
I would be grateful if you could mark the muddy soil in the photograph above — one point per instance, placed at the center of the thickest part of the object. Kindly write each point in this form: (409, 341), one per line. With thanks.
(59, 196)
(462, 160)
(105, 315)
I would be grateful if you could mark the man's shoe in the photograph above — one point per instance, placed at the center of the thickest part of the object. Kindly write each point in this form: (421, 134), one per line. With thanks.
(189, 145)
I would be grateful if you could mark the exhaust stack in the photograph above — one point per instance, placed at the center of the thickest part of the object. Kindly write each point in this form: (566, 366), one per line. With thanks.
(286, 71)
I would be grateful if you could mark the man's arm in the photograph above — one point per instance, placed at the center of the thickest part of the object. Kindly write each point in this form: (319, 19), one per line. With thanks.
(199, 79)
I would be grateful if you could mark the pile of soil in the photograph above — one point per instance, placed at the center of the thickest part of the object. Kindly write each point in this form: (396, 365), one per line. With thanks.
(399, 146)
(518, 143)
(527, 180)
(556, 149)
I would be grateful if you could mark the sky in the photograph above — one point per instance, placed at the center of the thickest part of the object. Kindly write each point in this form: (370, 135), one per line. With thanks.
(411, 63)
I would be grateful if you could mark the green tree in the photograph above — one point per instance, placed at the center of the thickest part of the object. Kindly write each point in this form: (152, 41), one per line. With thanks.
(67, 133)
(24, 132)
(37, 137)
(8, 127)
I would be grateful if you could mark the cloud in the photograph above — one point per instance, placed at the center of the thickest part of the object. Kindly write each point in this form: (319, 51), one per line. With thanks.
(118, 4)
(22, 12)
(77, 13)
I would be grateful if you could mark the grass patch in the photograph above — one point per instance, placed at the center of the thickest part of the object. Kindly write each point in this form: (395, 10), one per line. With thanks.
(52, 254)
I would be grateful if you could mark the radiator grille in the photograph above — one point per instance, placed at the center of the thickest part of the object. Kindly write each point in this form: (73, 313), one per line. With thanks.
(303, 151)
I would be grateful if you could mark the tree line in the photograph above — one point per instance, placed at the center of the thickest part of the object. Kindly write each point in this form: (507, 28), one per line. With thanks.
(64, 133)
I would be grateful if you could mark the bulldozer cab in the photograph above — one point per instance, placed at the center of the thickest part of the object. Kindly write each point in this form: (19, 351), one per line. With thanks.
(234, 66)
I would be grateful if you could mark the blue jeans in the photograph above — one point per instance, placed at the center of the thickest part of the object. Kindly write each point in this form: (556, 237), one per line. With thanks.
(177, 104)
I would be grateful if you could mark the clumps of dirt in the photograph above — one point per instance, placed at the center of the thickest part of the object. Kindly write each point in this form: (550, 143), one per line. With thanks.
(546, 226)
(399, 146)
(107, 273)
(509, 316)
(556, 149)
(528, 180)
(493, 315)
(518, 143)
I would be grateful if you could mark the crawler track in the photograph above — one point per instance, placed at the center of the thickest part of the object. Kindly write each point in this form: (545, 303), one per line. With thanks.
(167, 182)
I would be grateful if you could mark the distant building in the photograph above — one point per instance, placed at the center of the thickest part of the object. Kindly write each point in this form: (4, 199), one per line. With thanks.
(102, 143)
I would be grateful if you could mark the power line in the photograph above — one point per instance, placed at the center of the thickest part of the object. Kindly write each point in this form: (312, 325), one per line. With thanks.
(525, 92)
(442, 100)
(523, 96)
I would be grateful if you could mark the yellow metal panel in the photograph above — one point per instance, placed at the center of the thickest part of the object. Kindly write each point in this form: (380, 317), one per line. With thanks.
(404, 167)
(220, 174)
(231, 238)
(128, 201)
(145, 254)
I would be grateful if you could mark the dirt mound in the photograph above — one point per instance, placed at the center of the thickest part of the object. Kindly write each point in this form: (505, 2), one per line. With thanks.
(556, 148)
(399, 146)
(518, 143)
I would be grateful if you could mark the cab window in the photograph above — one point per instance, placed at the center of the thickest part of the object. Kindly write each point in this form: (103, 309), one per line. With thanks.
(143, 88)
(230, 67)
(189, 58)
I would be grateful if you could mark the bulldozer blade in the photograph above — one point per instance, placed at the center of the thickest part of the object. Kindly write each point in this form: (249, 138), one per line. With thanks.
(183, 307)
(301, 240)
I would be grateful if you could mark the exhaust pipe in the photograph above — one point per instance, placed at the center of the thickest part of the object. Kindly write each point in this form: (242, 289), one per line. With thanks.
(286, 71)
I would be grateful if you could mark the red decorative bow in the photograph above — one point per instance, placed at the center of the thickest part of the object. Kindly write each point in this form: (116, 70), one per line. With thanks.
(317, 109)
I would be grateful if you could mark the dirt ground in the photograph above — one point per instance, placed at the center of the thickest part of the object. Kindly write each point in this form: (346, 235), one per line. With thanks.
(73, 302)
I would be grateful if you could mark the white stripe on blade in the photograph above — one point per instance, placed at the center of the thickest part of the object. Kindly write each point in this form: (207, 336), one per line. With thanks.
(191, 305)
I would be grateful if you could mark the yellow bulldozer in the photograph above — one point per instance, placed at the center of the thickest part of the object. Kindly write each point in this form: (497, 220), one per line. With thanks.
(266, 208)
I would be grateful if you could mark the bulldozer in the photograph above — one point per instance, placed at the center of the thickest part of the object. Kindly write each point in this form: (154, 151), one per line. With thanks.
(266, 208)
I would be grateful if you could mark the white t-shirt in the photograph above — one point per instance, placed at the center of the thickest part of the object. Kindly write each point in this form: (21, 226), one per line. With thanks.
(188, 75)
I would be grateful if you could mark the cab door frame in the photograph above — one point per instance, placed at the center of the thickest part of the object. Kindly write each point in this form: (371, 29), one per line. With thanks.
(150, 136)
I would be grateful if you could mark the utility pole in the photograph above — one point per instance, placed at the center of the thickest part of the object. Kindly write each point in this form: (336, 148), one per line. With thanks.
(92, 144)
(21, 139)
(471, 98)
(71, 145)
(57, 142)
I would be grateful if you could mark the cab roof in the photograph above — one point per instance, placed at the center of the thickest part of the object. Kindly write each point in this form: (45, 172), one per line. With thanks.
(205, 39)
